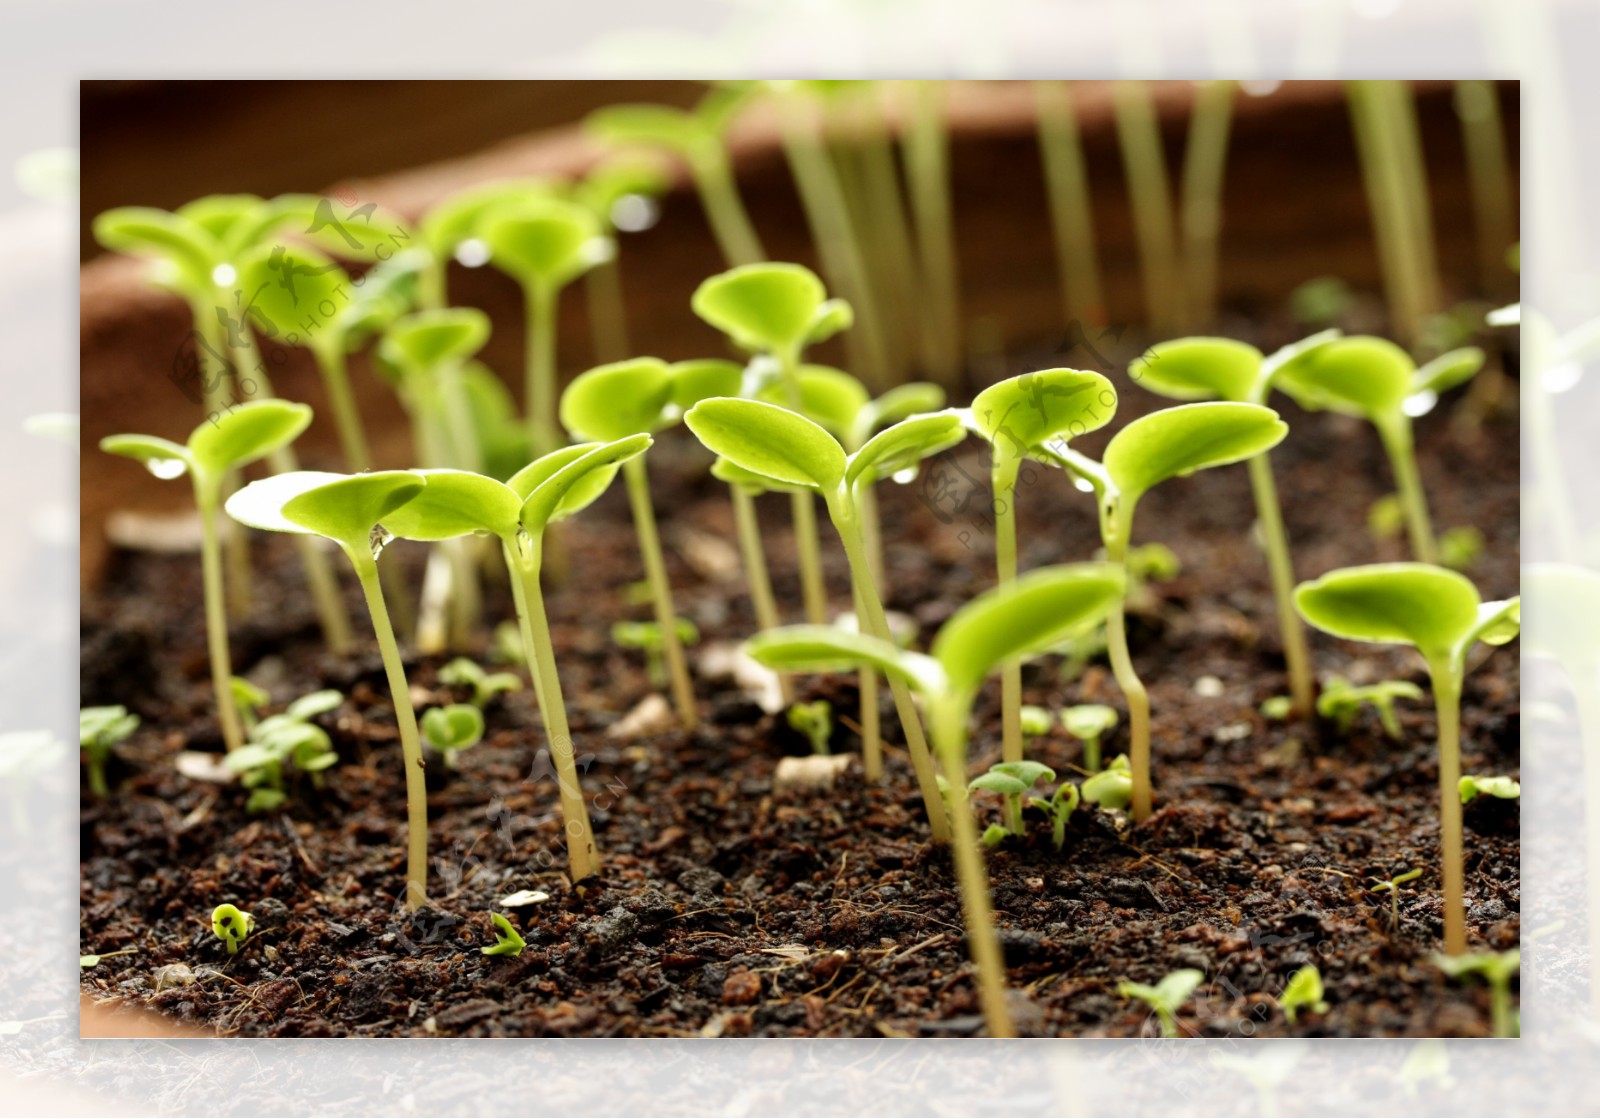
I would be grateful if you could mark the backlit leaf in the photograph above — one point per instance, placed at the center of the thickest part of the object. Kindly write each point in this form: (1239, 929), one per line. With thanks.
(1186, 438)
(769, 440)
(617, 400)
(1199, 369)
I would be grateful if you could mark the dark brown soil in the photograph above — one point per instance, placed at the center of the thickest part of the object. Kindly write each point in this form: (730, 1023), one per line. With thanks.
(724, 909)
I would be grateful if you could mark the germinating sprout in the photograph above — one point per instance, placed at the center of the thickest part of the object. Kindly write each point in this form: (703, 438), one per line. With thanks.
(1166, 444)
(216, 448)
(1303, 992)
(1013, 781)
(647, 637)
(1391, 886)
(1006, 622)
(1112, 787)
(815, 721)
(1059, 808)
(1461, 547)
(1440, 613)
(1048, 407)
(1036, 721)
(232, 926)
(507, 941)
(1503, 788)
(449, 230)
(1497, 969)
(279, 740)
(1167, 997)
(1341, 701)
(518, 513)
(99, 730)
(1088, 723)
(464, 673)
(451, 729)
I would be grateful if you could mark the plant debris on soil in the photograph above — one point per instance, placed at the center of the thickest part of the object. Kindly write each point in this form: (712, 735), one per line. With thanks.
(727, 909)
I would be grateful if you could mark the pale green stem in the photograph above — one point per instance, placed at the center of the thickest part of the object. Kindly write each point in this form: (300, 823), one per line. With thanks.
(1386, 198)
(217, 398)
(1150, 194)
(1091, 754)
(804, 513)
(1489, 175)
(217, 617)
(1005, 553)
(540, 389)
(1396, 435)
(844, 161)
(983, 942)
(431, 284)
(888, 217)
(346, 416)
(762, 600)
(655, 569)
(871, 730)
(406, 719)
(1068, 185)
(1204, 164)
(876, 624)
(1132, 687)
(608, 315)
(1586, 691)
(926, 146)
(719, 194)
(1447, 701)
(1295, 652)
(522, 558)
(872, 531)
(1406, 137)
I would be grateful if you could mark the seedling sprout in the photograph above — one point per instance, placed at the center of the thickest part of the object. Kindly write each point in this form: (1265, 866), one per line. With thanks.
(279, 740)
(1062, 803)
(1088, 722)
(232, 926)
(1303, 992)
(1013, 781)
(647, 636)
(507, 941)
(451, 729)
(1112, 787)
(815, 721)
(464, 673)
(1341, 701)
(1497, 969)
(1501, 788)
(1391, 886)
(1440, 613)
(1036, 721)
(99, 730)
(1167, 997)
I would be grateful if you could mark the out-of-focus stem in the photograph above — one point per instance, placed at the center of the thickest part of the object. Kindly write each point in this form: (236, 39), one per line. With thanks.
(926, 149)
(1205, 161)
(1139, 136)
(1068, 185)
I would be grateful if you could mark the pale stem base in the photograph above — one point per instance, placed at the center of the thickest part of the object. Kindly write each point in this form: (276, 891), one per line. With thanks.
(1447, 699)
(540, 389)
(1005, 549)
(812, 589)
(644, 524)
(217, 625)
(754, 555)
(1413, 500)
(1296, 654)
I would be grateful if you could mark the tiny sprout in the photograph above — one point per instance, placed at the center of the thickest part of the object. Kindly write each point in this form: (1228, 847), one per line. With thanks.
(1166, 996)
(99, 729)
(249, 699)
(1342, 700)
(1062, 803)
(1440, 613)
(232, 926)
(1278, 708)
(463, 673)
(1504, 788)
(507, 941)
(815, 721)
(290, 737)
(1497, 970)
(1112, 787)
(1392, 887)
(1036, 721)
(1087, 722)
(1303, 992)
(1386, 517)
(647, 636)
(994, 835)
(1460, 547)
(451, 729)
(1013, 781)
(505, 645)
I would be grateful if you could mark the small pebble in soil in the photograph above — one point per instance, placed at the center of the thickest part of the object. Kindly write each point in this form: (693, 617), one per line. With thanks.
(1208, 687)
(1233, 732)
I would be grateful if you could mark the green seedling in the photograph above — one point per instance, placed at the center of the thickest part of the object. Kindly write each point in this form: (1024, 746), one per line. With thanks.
(248, 700)
(1088, 723)
(1303, 992)
(544, 244)
(695, 136)
(350, 511)
(1222, 369)
(1036, 721)
(1278, 708)
(1005, 622)
(1502, 788)
(279, 740)
(217, 447)
(1497, 969)
(463, 673)
(1440, 613)
(507, 941)
(777, 310)
(641, 397)
(1461, 547)
(99, 731)
(1013, 781)
(1112, 787)
(451, 729)
(1167, 997)
(792, 452)
(1376, 380)
(1391, 886)
(994, 835)
(647, 637)
(1171, 443)
(1060, 807)
(1015, 416)
(518, 512)
(1321, 302)
(449, 230)
(815, 721)
(232, 926)
(1386, 517)
(1341, 701)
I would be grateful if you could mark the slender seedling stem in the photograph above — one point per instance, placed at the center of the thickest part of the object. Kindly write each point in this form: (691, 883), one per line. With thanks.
(655, 569)
(540, 390)
(346, 416)
(871, 531)
(719, 194)
(1405, 136)
(762, 600)
(1396, 436)
(1150, 194)
(1204, 163)
(217, 621)
(1447, 699)
(871, 728)
(219, 394)
(1091, 756)
(983, 944)
(1488, 171)
(1393, 212)
(1005, 554)
(1133, 688)
(804, 511)
(1295, 652)
(887, 211)
(926, 146)
(410, 742)
(608, 315)
(523, 562)
(1068, 184)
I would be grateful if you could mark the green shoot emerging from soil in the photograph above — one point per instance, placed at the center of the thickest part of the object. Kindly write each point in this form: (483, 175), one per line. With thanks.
(1036, 721)
(451, 729)
(1391, 886)
(1015, 416)
(1062, 803)
(1497, 969)
(1166, 997)
(1166, 444)
(279, 740)
(232, 926)
(1502, 788)
(647, 637)
(1303, 992)
(1008, 621)
(349, 510)
(815, 721)
(507, 941)
(1112, 787)
(1341, 701)
(464, 673)
(1013, 781)
(1440, 613)
(99, 730)
(217, 447)
(1088, 722)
